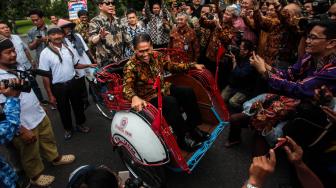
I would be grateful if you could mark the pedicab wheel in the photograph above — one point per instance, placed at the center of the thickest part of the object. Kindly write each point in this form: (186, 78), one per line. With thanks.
(105, 111)
(152, 176)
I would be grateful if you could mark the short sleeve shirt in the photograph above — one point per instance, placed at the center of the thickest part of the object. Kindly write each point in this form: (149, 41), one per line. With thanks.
(32, 35)
(32, 113)
(61, 71)
(21, 57)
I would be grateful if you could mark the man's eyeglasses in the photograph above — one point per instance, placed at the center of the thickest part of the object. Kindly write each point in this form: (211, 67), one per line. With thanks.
(314, 37)
(109, 3)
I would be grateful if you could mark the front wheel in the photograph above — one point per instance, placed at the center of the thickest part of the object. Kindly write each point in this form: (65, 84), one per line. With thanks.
(152, 176)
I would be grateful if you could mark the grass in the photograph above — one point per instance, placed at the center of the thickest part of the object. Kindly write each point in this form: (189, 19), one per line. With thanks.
(23, 26)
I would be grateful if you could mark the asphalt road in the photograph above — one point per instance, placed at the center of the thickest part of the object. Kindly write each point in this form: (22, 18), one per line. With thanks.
(220, 168)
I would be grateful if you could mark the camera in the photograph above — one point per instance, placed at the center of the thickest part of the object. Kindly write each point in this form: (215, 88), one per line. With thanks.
(235, 49)
(39, 36)
(209, 16)
(27, 76)
(320, 9)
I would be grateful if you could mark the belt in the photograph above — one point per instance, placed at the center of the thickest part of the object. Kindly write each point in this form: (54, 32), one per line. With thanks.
(65, 83)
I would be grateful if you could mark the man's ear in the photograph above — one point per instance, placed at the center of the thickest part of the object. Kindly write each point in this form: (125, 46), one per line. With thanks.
(83, 185)
(331, 44)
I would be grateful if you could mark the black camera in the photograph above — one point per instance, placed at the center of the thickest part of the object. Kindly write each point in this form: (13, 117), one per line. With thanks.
(320, 9)
(39, 36)
(233, 49)
(27, 76)
(209, 16)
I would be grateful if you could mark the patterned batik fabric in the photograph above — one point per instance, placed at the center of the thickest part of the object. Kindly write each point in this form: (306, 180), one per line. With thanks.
(155, 27)
(8, 129)
(139, 77)
(112, 47)
(220, 36)
(132, 32)
(83, 30)
(185, 39)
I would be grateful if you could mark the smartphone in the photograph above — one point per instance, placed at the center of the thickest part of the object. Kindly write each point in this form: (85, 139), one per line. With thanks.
(280, 143)
(38, 36)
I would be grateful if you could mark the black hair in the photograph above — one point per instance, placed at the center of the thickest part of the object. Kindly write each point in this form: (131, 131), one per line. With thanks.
(37, 12)
(191, 6)
(141, 37)
(248, 45)
(3, 22)
(130, 11)
(329, 25)
(101, 178)
(82, 12)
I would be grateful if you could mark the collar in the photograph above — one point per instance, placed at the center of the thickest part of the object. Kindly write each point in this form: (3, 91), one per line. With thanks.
(44, 28)
(183, 30)
(106, 18)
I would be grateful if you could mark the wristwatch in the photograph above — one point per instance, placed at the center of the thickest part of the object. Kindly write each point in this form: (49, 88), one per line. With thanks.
(248, 185)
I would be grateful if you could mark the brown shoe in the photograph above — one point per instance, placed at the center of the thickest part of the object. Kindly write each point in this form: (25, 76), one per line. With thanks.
(43, 181)
(65, 159)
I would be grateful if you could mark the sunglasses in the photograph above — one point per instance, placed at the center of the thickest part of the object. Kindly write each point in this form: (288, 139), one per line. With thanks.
(109, 3)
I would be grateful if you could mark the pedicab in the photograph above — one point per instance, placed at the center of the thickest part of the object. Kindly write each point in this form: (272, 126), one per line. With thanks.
(144, 141)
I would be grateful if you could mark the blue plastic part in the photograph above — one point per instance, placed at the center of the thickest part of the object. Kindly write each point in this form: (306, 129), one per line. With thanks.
(198, 155)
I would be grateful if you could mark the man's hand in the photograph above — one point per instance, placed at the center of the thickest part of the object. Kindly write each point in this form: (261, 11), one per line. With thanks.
(294, 151)
(103, 33)
(330, 113)
(138, 103)
(258, 63)
(9, 91)
(27, 135)
(199, 66)
(260, 168)
(52, 100)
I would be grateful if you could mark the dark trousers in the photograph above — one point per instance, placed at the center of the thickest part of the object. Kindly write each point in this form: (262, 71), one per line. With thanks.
(67, 95)
(180, 98)
(83, 89)
(237, 122)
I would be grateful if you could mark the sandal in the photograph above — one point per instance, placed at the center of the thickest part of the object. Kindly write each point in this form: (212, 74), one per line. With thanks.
(43, 180)
(67, 135)
(82, 129)
(229, 144)
(65, 159)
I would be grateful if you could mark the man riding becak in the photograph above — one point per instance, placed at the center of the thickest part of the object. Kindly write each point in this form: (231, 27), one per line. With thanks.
(140, 73)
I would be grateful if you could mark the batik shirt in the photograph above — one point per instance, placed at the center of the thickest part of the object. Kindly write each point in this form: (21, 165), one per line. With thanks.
(112, 47)
(8, 129)
(220, 36)
(301, 79)
(132, 32)
(185, 39)
(83, 30)
(139, 77)
(155, 27)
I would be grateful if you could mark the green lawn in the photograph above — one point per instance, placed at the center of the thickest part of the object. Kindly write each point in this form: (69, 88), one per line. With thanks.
(23, 26)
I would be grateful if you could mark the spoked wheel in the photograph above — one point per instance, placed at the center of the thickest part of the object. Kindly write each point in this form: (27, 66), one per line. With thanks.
(153, 177)
(105, 111)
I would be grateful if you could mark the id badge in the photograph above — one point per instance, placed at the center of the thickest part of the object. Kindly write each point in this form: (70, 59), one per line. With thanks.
(186, 47)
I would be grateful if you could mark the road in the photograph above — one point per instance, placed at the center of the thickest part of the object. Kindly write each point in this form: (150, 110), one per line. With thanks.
(221, 167)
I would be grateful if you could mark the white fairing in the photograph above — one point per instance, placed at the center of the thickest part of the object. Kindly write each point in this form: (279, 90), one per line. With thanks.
(128, 129)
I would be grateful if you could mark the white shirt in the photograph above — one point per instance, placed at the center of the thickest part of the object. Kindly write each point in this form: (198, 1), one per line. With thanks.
(21, 57)
(84, 59)
(61, 71)
(32, 113)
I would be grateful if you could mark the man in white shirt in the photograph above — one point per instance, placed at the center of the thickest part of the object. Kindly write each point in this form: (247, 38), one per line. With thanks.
(76, 42)
(63, 89)
(23, 57)
(35, 136)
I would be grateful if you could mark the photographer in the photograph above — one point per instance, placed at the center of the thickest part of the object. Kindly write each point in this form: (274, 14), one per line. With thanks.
(35, 136)
(9, 125)
(242, 80)
(90, 176)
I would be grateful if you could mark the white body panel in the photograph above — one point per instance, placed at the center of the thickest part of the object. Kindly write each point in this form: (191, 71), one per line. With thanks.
(130, 130)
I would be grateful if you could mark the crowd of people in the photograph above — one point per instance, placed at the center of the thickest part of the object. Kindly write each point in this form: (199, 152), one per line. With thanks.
(275, 61)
